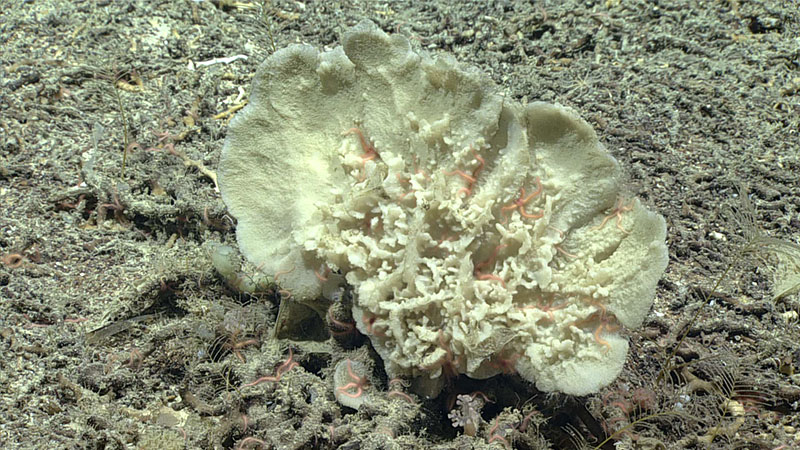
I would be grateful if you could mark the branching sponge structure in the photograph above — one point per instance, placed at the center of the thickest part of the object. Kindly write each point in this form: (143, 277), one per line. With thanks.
(479, 236)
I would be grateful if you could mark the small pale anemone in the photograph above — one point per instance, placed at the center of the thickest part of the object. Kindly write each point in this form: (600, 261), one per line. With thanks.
(467, 413)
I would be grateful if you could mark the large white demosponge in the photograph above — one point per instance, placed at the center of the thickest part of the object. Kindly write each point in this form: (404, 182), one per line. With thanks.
(480, 236)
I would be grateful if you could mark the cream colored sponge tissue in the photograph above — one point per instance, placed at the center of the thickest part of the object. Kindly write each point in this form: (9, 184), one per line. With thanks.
(479, 236)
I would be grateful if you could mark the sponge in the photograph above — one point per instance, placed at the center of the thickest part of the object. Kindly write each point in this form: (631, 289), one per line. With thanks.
(480, 236)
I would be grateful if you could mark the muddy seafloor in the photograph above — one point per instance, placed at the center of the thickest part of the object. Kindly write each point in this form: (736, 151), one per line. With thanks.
(116, 332)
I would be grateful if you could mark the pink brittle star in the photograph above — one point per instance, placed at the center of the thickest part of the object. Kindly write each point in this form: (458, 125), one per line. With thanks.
(471, 179)
(607, 322)
(447, 362)
(369, 150)
(407, 180)
(489, 276)
(339, 328)
(504, 364)
(358, 384)
(619, 208)
(397, 392)
(520, 203)
(369, 323)
(498, 436)
(286, 366)
(547, 306)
